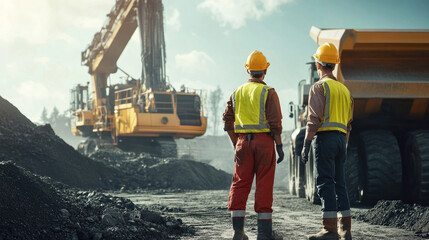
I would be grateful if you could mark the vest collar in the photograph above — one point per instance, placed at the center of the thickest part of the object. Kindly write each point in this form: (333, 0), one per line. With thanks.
(328, 75)
(256, 81)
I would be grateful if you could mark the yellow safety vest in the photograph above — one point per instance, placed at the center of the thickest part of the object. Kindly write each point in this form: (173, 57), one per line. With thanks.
(248, 102)
(338, 110)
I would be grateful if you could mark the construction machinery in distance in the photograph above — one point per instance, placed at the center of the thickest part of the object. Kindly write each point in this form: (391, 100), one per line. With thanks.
(143, 115)
(387, 73)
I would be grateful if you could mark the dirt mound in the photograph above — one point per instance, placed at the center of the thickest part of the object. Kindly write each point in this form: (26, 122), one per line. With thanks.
(398, 214)
(39, 150)
(154, 173)
(33, 208)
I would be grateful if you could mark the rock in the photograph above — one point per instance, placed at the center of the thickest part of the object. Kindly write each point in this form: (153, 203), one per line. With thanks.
(134, 214)
(47, 128)
(97, 235)
(65, 213)
(74, 236)
(92, 219)
(115, 214)
(108, 220)
(169, 224)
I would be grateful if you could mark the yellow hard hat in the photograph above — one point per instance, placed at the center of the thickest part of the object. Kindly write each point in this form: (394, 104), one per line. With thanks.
(256, 61)
(327, 53)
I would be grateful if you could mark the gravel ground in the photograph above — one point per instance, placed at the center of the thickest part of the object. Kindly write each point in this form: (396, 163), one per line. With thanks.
(293, 218)
(151, 172)
(33, 207)
(398, 214)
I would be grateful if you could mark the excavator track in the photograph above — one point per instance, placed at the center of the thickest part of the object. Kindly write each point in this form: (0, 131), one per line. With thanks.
(382, 166)
(416, 167)
(160, 147)
(168, 147)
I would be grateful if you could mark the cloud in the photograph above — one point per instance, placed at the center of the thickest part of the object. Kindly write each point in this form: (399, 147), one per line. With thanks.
(51, 20)
(194, 62)
(11, 66)
(37, 91)
(236, 13)
(173, 20)
(43, 60)
(33, 90)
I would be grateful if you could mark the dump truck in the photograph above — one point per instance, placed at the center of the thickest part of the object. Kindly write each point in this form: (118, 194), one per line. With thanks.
(140, 115)
(387, 73)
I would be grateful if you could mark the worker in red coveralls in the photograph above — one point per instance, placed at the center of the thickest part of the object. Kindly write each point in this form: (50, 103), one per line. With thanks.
(253, 120)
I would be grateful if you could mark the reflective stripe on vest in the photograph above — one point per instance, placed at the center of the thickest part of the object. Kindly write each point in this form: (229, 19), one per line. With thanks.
(249, 108)
(337, 111)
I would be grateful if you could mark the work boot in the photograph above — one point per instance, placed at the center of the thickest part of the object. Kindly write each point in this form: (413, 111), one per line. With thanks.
(329, 231)
(238, 225)
(265, 231)
(345, 228)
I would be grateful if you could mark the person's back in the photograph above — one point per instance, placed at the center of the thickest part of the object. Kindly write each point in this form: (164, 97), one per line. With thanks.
(330, 111)
(253, 122)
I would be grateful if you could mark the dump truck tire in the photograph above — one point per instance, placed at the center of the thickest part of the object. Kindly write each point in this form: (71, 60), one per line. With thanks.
(291, 173)
(416, 167)
(382, 166)
(299, 178)
(310, 175)
(353, 172)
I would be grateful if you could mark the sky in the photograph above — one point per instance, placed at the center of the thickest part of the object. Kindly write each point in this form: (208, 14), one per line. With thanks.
(207, 43)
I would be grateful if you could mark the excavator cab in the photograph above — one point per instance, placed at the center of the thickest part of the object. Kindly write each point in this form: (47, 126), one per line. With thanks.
(80, 111)
(79, 98)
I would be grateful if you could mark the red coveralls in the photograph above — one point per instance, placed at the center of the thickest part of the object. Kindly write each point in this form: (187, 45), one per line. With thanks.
(255, 157)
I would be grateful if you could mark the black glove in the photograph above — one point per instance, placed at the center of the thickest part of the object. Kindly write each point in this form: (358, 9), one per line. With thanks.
(305, 151)
(279, 148)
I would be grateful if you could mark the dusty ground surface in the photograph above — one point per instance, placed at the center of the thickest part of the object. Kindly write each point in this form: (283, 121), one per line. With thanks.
(293, 218)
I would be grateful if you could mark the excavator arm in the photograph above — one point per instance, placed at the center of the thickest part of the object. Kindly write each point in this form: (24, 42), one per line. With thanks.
(107, 45)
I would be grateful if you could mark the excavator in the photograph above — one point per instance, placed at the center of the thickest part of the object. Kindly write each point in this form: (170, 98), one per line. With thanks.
(387, 73)
(140, 115)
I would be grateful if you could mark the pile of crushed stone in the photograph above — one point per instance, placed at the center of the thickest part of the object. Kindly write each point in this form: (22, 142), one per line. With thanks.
(39, 150)
(152, 172)
(398, 214)
(33, 207)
